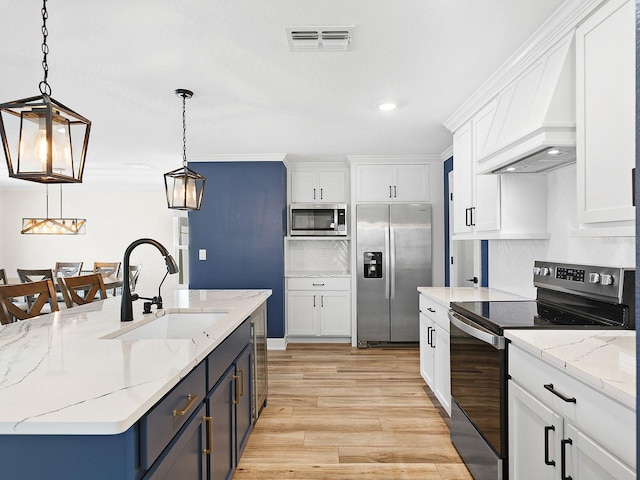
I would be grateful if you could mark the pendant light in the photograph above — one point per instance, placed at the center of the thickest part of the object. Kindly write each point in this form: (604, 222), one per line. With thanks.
(53, 225)
(183, 186)
(47, 139)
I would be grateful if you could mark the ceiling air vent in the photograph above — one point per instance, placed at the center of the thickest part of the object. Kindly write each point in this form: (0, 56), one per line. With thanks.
(302, 39)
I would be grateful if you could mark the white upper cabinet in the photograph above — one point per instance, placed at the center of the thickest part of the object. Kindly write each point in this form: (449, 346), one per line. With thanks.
(493, 206)
(318, 186)
(392, 183)
(605, 87)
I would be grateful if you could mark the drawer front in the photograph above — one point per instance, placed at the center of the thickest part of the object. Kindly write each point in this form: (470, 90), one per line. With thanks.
(163, 421)
(225, 353)
(319, 283)
(434, 311)
(610, 423)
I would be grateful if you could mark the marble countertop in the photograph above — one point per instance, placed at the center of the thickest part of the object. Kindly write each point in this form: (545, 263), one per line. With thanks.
(445, 295)
(604, 359)
(60, 375)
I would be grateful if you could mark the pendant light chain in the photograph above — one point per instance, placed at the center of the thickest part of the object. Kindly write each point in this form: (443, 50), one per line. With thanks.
(184, 131)
(45, 88)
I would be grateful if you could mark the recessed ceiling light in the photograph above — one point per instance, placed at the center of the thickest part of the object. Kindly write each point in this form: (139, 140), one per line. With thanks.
(553, 151)
(385, 107)
(510, 169)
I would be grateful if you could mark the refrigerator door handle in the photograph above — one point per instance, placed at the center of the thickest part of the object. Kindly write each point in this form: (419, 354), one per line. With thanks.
(392, 260)
(386, 263)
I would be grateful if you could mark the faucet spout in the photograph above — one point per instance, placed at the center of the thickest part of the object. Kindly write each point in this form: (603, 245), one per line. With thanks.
(126, 304)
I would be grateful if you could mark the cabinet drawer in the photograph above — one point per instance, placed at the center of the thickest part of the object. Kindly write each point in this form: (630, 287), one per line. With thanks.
(163, 421)
(318, 283)
(611, 423)
(434, 311)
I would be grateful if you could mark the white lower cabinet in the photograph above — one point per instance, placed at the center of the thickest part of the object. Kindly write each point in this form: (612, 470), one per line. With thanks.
(318, 307)
(434, 350)
(562, 429)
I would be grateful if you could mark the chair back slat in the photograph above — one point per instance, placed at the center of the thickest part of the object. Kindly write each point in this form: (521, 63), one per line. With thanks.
(42, 292)
(68, 269)
(3, 277)
(82, 289)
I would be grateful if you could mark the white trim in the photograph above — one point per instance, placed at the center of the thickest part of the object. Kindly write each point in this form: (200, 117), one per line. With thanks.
(239, 157)
(447, 154)
(319, 340)
(393, 159)
(276, 343)
(562, 22)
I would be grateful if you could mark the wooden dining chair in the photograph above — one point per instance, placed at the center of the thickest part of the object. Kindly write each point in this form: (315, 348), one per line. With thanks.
(134, 273)
(82, 289)
(34, 275)
(42, 293)
(108, 269)
(3, 277)
(68, 269)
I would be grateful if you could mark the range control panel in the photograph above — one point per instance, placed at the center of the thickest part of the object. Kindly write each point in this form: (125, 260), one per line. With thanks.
(571, 274)
(589, 280)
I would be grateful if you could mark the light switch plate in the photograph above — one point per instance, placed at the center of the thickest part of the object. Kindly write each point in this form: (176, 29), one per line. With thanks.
(202, 254)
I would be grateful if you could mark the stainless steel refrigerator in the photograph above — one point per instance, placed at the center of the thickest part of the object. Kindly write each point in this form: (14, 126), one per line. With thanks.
(393, 244)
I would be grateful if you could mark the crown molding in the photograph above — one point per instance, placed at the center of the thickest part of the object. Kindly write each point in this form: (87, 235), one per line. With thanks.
(391, 159)
(559, 25)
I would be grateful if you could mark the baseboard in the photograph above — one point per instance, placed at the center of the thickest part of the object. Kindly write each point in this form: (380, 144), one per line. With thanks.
(276, 343)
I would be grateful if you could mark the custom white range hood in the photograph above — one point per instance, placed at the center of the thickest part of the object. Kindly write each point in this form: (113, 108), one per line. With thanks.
(533, 125)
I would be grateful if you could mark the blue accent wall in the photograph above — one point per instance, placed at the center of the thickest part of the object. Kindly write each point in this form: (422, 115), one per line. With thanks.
(241, 224)
(484, 263)
(448, 167)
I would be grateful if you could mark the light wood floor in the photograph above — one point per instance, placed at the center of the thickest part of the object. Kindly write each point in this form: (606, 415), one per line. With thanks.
(335, 412)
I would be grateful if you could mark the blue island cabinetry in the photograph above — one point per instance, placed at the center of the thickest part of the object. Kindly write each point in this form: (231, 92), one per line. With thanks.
(196, 431)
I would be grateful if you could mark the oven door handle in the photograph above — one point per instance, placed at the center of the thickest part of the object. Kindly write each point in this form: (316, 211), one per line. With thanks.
(496, 341)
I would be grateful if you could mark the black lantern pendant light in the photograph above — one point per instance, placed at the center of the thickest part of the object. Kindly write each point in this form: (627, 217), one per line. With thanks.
(184, 186)
(47, 139)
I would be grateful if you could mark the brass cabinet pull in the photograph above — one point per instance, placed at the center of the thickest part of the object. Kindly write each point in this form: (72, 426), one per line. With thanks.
(209, 426)
(237, 399)
(241, 371)
(191, 400)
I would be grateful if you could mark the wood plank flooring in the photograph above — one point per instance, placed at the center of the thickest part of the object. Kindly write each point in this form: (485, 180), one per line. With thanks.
(335, 413)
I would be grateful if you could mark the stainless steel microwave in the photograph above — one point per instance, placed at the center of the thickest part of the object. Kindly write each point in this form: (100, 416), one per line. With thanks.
(318, 219)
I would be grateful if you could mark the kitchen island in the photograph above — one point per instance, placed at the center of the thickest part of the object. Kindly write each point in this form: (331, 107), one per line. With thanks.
(76, 396)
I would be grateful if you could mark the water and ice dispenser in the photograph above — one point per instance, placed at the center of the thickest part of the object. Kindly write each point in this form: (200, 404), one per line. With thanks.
(372, 264)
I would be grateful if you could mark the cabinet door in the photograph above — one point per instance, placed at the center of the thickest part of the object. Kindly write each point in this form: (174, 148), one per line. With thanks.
(374, 183)
(605, 121)
(534, 437)
(442, 373)
(335, 313)
(462, 179)
(303, 186)
(331, 186)
(586, 460)
(427, 350)
(220, 406)
(243, 400)
(411, 183)
(301, 311)
(185, 458)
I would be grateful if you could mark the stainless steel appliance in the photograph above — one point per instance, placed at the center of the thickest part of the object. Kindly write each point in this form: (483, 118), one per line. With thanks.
(393, 244)
(318, 219)
(568, 296)
(259, 383)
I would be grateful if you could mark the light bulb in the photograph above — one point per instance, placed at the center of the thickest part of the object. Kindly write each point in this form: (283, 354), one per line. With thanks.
(41, 147)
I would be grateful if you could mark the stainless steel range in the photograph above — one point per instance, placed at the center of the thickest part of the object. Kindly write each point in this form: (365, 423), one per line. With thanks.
(568, 296)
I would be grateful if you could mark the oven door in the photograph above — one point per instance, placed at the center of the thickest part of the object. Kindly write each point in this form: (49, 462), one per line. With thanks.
(479, 394)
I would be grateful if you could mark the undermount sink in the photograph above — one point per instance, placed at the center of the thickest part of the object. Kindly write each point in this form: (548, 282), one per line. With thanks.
(174, 326)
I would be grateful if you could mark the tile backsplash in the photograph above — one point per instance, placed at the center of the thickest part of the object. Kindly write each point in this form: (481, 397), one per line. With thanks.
(317, 256)
(511, 261)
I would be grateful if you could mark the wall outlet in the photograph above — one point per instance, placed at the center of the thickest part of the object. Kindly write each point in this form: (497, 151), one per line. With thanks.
(202, 254)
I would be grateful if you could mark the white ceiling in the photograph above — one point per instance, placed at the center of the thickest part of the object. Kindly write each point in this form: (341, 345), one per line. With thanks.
(118, 63)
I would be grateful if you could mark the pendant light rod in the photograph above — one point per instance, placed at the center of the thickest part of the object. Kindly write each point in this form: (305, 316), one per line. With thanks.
(184, 93)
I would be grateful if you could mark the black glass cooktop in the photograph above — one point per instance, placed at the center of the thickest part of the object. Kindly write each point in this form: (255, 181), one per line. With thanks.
(496, 316)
